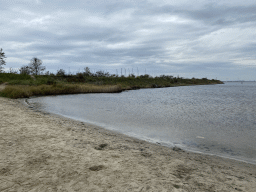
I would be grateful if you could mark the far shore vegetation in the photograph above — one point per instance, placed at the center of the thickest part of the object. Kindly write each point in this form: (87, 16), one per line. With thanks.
(24, 85)
(31, 81)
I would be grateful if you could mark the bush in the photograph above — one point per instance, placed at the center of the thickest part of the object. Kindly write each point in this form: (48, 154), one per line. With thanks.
(6, 77)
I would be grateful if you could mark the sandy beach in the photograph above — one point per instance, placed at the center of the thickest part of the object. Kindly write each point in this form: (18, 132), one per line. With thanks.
(44, 152)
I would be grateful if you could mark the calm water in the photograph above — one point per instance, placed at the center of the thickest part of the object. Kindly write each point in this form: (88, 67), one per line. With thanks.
(213, 119)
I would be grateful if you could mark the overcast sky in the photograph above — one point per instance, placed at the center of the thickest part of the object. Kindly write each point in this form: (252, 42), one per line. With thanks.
(189, 38)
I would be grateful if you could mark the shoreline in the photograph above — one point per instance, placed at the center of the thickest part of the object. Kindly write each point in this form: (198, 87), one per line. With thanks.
(147, 139)
(51, 87)
(44, 152)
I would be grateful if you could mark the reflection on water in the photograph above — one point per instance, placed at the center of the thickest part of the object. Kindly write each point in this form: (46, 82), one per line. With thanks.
(216, 119)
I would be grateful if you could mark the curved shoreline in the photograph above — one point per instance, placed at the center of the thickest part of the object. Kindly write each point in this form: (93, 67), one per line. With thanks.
(170, 144)
(44, 152)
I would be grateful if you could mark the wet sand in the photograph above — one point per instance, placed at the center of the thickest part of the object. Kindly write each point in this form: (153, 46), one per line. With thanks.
(43, 152)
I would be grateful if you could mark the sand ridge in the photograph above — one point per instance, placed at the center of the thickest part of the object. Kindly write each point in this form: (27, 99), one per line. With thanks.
(43, 152)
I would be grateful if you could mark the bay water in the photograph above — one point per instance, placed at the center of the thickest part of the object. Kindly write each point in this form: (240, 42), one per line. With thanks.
(212, 119)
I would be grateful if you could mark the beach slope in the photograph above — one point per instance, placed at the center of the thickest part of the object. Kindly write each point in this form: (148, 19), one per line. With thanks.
(43, 152)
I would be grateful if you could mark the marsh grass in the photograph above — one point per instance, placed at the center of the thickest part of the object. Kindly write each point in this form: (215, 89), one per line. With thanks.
(25, 91)
(23, 86)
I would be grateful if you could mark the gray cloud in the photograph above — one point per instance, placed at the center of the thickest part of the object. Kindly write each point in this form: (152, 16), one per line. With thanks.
(181, 37)
(223, 15)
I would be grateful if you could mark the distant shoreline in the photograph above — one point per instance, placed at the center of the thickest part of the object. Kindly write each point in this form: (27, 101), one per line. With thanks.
(239, 81)
(25, 86)
(25, 91)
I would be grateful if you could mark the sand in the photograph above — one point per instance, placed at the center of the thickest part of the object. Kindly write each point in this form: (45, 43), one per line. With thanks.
(2, 86)
(43, 152)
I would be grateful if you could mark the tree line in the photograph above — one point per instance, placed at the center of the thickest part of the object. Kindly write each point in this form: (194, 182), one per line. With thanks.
(35, 68)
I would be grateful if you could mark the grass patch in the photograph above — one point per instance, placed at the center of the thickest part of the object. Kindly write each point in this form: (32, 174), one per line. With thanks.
(25, 91)
(24, 86)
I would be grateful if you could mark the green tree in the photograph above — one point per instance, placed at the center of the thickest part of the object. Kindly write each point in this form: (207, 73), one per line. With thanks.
(87, 71)
(61, 72)
(35, 66)
(25, 70)
(2, 61)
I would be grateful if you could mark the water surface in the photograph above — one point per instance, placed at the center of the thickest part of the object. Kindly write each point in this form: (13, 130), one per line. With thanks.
(213, 119)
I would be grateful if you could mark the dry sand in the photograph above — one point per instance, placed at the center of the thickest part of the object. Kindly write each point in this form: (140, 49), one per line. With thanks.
(2, 86)
(42, 152)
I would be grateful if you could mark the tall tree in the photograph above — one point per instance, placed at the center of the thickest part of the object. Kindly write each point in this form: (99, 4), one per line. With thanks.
(2, 61)
(36, 66)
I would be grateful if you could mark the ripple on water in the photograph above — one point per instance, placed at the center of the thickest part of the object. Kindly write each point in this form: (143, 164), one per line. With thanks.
(216, 119)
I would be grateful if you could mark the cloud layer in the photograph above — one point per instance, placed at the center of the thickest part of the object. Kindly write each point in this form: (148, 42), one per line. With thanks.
(186, 38)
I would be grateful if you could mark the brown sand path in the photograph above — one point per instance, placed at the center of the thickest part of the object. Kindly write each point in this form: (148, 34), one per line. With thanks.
(41, 152)
(2, 86)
